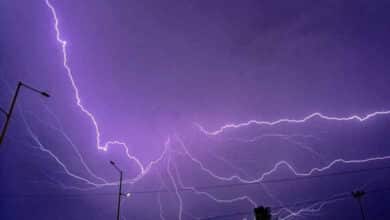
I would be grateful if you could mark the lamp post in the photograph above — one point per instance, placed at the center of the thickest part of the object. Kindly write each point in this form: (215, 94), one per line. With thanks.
(13, 102)
(120, 189)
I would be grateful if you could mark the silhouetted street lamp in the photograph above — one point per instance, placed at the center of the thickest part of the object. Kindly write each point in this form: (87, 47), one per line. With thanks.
(11, 108)
(120, 189)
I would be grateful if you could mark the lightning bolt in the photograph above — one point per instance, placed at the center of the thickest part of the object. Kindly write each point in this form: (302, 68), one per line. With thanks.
(210, 196)
(43, 148)
(60, 129)
(99, 144)
(291, 121)
(314, 208)
(289, 138)
(277, 166)
(161, 209)
(175, 177)
(176, 189)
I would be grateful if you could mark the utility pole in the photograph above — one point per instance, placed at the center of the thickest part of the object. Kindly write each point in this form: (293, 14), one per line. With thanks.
(120, 189)
(11, 108)
(358, 195)
(262, 213)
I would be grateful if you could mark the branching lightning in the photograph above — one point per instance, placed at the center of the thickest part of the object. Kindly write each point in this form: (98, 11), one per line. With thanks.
(175, 178)
(292, 121)
(277, 166)
(101, 146)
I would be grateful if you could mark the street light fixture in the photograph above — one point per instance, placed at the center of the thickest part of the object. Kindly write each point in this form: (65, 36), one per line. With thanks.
(120, 194)
(13, 102)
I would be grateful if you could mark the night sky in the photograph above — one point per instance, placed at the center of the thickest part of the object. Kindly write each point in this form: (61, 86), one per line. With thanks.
(210, 108)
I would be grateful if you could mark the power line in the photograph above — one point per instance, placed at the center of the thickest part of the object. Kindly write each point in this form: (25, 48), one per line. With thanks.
(7, 196)
(309, 202)
(206, 187)
(296, 178)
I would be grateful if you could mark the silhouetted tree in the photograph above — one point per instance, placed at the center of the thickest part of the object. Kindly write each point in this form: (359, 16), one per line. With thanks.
(262, 213)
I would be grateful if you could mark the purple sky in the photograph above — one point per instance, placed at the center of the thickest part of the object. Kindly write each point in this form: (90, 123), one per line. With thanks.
(151, 71)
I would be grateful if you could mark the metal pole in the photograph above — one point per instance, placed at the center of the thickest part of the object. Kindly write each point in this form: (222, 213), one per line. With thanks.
(118, 210)
(119, 196)
(8, 115)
